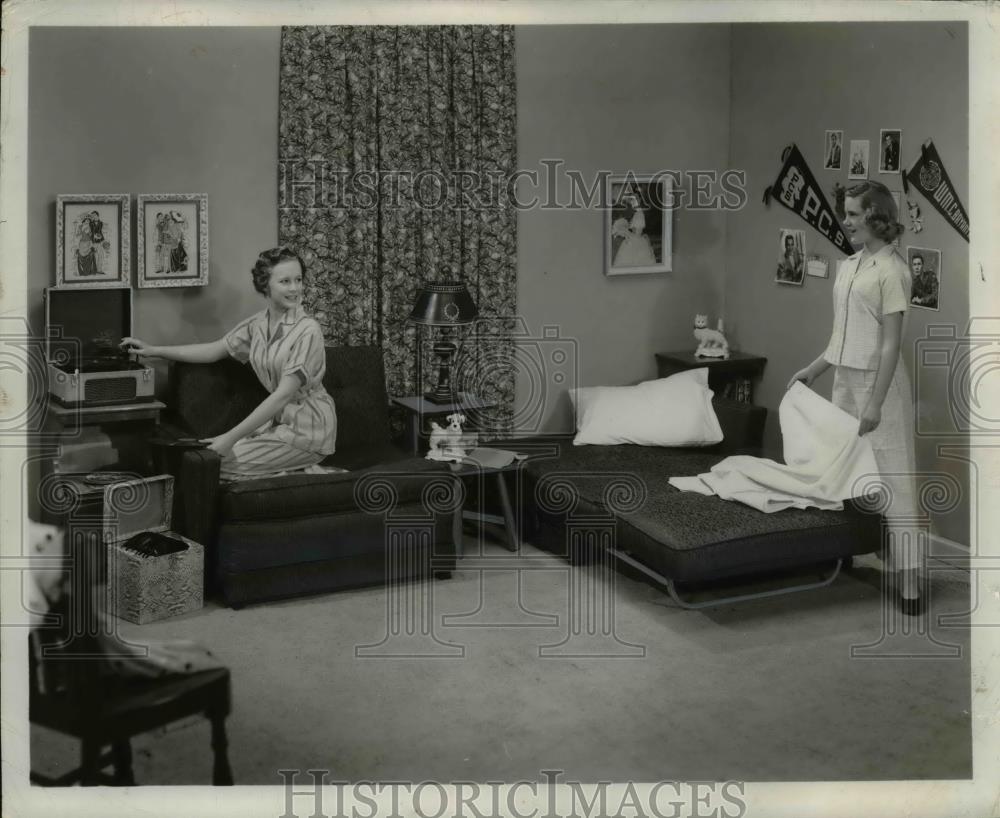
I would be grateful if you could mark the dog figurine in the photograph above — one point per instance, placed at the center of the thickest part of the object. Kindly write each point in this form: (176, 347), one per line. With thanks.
(447, 443)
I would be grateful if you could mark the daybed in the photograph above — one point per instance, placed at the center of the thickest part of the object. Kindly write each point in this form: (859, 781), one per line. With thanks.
(676, 536)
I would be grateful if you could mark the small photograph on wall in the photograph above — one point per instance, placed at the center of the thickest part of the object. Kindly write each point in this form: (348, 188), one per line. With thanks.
(890, 142)
(172, 243)
(860, 151)
(791, 256)
(817, 266)
(925, 270)
(832, 150)
(92, 240)
(637, 225)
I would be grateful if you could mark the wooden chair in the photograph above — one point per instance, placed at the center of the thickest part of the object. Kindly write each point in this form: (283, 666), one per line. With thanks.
(68, 693)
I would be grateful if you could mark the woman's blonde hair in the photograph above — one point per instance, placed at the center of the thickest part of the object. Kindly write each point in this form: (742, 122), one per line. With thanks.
(881, 214)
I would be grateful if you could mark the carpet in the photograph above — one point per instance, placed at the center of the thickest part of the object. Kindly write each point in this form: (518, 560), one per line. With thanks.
(520, 663)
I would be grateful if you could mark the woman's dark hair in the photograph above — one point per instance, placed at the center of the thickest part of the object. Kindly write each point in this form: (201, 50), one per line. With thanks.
(880, 211)
(267, 261)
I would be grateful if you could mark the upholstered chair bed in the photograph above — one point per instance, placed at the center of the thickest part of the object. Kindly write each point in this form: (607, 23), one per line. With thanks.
(388, 518)
(682, 539)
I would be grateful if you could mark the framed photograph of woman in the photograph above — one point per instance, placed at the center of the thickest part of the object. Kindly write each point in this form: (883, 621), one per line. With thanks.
(832, 150)
(859, 159)
(889, 145)
(93, 240)
(637, 224)
(172, 239)
(791, 257)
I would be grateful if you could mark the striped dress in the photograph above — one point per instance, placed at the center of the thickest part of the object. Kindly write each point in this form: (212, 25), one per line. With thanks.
(306, 429)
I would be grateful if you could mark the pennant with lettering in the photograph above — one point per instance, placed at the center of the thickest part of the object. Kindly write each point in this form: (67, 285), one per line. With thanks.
(930, 178)
(796, 189)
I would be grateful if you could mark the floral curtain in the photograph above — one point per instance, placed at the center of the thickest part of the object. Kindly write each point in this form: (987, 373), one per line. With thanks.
(396, 145)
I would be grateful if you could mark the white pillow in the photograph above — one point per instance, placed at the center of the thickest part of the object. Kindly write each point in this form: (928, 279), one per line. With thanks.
(673, 411)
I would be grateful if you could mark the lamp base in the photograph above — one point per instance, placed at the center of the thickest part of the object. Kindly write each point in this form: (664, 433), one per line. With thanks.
(439, 397)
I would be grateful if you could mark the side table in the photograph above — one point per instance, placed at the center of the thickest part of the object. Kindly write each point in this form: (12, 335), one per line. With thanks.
(422, 411)
(85, 439)
(482, 474)
(126, 426)
(730, 377)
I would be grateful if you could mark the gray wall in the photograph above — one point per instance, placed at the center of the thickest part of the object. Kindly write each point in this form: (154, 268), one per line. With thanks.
(616, 98)
(159, 110)
(790, 84)
(194, 109)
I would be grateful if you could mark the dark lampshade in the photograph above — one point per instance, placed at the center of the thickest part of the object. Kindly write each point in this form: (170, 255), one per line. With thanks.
(443, 304)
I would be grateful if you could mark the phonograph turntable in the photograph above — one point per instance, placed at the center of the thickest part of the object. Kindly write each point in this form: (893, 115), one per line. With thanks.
(86, 365)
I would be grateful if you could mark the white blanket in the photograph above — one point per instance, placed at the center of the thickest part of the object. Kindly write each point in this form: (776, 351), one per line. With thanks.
(827, 462)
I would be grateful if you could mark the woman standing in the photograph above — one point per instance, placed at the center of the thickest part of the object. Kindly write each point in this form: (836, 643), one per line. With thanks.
(870, 296)
(296, 425)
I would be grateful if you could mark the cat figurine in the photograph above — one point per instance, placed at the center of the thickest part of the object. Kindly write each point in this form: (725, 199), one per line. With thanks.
(712, 343)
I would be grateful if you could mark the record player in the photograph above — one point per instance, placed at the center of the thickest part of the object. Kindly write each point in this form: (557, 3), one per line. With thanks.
(86, 365)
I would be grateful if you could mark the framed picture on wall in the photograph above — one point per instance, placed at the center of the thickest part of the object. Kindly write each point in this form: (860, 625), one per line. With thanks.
(791, 256)
(172, 239)
(859, 162)
(889, 146)
(93, 240)
(637, 224)
(832, 149)
(925, 274)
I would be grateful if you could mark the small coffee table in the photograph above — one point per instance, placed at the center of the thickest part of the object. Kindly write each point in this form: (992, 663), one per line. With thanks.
(467, 471)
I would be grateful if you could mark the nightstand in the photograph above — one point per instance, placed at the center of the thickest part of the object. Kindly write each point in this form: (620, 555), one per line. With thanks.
(730, 377)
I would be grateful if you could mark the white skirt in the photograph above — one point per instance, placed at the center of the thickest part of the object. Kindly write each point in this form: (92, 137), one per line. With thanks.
(893, 444)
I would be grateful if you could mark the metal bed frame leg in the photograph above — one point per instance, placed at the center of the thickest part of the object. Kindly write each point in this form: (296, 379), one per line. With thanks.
(675, 596)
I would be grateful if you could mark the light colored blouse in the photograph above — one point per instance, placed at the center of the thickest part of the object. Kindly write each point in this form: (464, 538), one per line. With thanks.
(863, 292)
(296, 347)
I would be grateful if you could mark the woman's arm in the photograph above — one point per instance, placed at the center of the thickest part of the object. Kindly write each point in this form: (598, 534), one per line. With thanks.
(188, 353)
(810, 373)
(267, 409)
(892, 333)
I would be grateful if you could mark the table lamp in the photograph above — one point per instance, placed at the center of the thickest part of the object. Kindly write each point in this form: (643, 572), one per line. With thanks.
(444, 304)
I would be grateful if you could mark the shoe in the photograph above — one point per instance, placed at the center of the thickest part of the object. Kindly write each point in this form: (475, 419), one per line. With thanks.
(911, 606)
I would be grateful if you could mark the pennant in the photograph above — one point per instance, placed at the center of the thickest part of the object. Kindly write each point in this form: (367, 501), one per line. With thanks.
(796, 189)
(930, 178)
